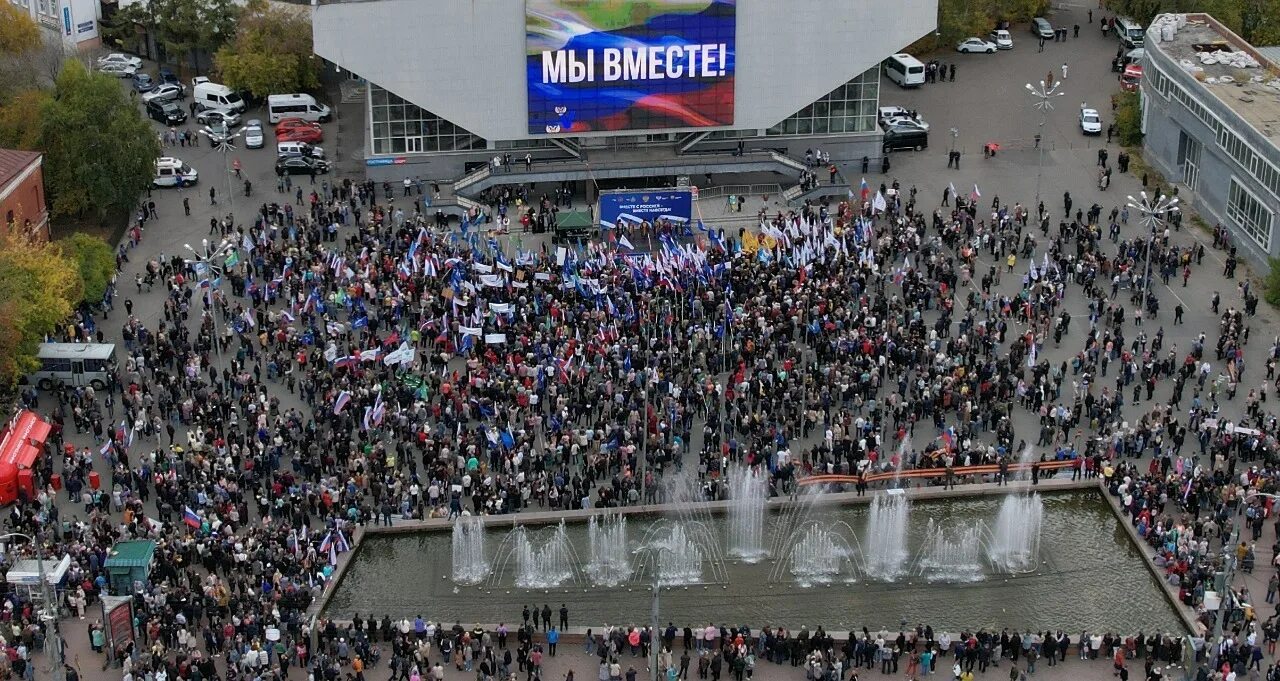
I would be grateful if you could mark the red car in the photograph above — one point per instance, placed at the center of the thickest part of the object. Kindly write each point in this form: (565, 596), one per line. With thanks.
(291, 123)
(308, 135)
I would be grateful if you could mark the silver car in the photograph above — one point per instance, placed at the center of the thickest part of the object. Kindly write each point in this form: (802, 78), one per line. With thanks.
(118, 70)
(253, 137)
(163, 93)
(216, 116)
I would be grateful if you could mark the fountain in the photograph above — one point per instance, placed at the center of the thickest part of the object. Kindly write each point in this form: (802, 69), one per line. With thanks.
(953, 555)
(469, 563)
(610, 557)
(682, 552)
(820, 556)
(544, 564)
(885, 548)
(748, 490)
(900, 459)
(1015, 538)
(1026, 457)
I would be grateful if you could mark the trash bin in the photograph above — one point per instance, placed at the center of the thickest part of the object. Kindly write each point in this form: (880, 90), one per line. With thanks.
(94, 480)
(55, 481)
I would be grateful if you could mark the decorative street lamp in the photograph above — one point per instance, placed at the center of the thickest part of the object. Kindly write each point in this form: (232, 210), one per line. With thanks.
(1152, 210)
(1044, 102)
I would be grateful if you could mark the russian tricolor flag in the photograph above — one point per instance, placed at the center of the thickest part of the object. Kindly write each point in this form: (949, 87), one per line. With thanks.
(190, 517)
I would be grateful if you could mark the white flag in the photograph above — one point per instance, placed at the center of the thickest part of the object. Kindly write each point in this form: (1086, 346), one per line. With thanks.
(878, 203)
(495, 338)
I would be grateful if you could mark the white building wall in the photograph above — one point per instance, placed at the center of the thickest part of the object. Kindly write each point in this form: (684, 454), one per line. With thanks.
(464, 60)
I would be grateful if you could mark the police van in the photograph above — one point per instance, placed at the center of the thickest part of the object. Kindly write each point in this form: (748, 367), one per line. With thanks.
(172, 172)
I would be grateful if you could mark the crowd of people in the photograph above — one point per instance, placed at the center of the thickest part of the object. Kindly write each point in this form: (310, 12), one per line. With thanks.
(363, 363)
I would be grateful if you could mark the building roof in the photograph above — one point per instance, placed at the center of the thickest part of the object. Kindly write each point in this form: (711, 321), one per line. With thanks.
(1253, 93)
(13, 162)
(131, 554)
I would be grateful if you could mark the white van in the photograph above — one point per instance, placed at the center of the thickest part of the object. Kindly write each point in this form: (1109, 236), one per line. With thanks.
(74, 364)
(296, 106)
(172, 172)
(1130, 33)
(284, 149)
(905, 70)
(217, 96)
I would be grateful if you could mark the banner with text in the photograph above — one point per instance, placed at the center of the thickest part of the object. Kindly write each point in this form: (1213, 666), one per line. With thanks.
(600, 65)
(630, 208)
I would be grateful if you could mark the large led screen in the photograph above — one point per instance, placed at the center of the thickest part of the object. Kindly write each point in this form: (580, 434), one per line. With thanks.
(601, 65)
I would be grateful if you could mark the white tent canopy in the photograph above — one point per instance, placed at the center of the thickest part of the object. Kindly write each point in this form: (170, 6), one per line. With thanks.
(27, 572)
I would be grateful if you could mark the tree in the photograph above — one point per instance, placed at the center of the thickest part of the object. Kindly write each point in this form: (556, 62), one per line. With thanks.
(38, 290)
(18, 33)
(271, 52)
(1129, 118)
(99, 152)
(184, 28)
(20, 120)
(95, 262)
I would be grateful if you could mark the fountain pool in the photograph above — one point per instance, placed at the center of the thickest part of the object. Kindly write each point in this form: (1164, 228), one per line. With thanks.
(970, 567)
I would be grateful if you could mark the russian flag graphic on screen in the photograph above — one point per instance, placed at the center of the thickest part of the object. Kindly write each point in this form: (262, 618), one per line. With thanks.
(600, 65)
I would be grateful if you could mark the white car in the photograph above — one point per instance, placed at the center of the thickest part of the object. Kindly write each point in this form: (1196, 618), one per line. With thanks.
(118, 70)
(1002, 38)
(903, 122)
(118, 58)
(164, 93)
(886, 112)
(214, 117)
(253, 137)
(976, 45)
(1090, 122)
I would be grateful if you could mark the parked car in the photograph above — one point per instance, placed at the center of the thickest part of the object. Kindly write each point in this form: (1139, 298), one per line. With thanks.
(1002, 38)
(299, 149)
(301, 165)
(898, 138)
(893, 112)
(118, 70)
(308, 135)
(253, 137)
(165, 92)
(143, 82)
(121, 59)
(295, 123)
(1041, 28)
(215, 116)
(1090, 122)
(976, 45)
(166, 111)
(167, 76)
(903, 122)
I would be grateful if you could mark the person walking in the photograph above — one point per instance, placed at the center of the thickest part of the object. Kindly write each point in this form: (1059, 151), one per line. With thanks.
(1064, 70)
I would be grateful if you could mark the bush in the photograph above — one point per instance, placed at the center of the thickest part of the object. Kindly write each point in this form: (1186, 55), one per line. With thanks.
(1272, 283)
(1129, 118)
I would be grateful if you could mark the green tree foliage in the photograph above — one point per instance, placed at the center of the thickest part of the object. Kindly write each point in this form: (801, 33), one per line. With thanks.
(1129, 118)
(20, 120)
(271, 52)
(94, 260)
(39, 288)
(186, 28)
(1272, 283)
(18, 33)
(99, 151)
(960, 19)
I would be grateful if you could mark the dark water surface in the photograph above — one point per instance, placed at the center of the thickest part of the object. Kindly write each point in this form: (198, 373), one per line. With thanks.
(1091, 577)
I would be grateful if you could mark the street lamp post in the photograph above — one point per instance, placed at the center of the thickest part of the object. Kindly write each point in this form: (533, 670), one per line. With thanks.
(225, 142)
(213, 263)
(1044, 102)
(1152, 211)
(50, 605)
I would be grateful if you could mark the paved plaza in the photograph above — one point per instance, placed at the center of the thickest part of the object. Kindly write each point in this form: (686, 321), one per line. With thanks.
(987, 103)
